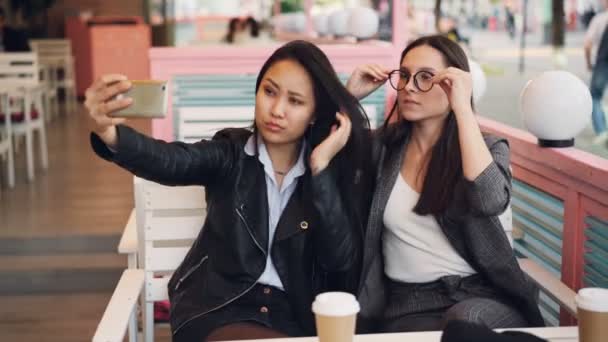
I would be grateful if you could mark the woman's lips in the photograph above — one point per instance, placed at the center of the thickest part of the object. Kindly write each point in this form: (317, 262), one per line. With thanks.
(273, 127)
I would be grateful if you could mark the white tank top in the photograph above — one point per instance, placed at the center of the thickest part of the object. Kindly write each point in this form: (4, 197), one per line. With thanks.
(415, 248)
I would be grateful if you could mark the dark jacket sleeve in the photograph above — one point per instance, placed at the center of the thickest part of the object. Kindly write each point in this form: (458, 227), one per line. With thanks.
(490, 193)
(339, 240)
(166, 163)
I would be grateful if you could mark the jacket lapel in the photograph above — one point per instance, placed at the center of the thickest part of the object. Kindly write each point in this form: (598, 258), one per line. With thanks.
(294, 218)
(253, 203)
(390, 166)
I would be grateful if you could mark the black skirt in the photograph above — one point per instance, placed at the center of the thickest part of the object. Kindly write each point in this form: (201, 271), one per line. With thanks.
(263, 304)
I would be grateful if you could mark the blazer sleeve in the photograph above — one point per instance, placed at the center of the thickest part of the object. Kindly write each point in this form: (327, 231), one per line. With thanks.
(490, 193)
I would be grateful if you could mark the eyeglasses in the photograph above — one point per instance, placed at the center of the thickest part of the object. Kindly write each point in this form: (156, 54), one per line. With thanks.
(423, 80)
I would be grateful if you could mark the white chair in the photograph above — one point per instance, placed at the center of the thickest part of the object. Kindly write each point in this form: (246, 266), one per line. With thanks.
(49, 80)
(19, 75)
(128, 241)
(168, 220)
(58, 54)
(202, 122)
(6, 141)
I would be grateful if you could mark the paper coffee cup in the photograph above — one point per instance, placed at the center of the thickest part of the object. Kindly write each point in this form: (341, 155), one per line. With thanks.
(335, 316)
(592, 314)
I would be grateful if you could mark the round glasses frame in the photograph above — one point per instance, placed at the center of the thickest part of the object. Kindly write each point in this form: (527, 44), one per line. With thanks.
(404, 78)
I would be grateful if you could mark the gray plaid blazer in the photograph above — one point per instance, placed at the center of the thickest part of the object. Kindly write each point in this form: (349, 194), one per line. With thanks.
(470, 223)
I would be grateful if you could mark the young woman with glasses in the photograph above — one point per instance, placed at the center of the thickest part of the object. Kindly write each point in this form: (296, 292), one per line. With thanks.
(434, 249)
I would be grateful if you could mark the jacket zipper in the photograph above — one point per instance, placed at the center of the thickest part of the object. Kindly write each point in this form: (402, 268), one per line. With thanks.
(312, 283)
(190, 271)
(238, 212)
(237, 296)
(216, 308)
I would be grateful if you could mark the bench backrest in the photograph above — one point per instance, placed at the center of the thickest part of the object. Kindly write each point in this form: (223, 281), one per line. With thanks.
(169, 219)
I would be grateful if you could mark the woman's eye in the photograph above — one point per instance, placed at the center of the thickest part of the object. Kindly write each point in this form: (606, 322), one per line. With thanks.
(295, 102)
(269, 91)
(426, 77)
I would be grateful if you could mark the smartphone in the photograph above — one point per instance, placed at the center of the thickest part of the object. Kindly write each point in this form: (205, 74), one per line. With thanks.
(149, 100)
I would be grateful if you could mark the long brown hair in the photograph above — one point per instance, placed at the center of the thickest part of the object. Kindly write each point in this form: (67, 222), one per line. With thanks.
(445, 165)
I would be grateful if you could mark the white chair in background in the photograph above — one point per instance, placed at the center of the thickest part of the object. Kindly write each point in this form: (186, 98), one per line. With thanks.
(20, 76)
(6, 141)
(57, 53)
(48, 78)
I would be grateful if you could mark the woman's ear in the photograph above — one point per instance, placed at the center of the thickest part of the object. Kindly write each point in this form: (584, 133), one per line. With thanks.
(313, 120)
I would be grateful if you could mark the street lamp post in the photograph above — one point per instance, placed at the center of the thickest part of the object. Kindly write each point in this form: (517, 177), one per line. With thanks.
(558, 33)
(522, 42)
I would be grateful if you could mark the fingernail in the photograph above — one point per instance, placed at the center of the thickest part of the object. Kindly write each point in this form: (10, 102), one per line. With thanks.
(128, 84)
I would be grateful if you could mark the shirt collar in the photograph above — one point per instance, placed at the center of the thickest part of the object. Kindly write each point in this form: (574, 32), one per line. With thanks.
(296, 171)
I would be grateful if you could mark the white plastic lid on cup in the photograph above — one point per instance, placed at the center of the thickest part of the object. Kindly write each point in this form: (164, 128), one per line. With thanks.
(335, 304)
(592, 299)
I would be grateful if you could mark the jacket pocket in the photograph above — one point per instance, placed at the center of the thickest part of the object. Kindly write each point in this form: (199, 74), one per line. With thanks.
(187, 275)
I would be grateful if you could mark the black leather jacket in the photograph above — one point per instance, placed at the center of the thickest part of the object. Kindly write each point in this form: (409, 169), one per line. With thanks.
(315, 239)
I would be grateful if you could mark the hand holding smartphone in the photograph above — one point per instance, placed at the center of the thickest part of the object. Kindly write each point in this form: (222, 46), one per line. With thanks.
(149, 100)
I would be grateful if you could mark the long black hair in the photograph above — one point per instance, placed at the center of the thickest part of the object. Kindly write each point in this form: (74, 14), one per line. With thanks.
(445, 164)
(351, 165)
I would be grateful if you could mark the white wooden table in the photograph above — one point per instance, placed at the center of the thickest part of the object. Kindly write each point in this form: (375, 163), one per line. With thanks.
(558, 334)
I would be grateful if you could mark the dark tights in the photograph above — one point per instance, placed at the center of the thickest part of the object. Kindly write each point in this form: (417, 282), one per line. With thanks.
(242, 331)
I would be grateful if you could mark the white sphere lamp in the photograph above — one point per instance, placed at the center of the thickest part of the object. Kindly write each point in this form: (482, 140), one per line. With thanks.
(479, 80)
(556, 106)
(338, 23)
(363, 22)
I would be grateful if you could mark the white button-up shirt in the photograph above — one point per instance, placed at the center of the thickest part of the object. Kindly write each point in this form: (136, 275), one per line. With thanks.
(277, 200)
